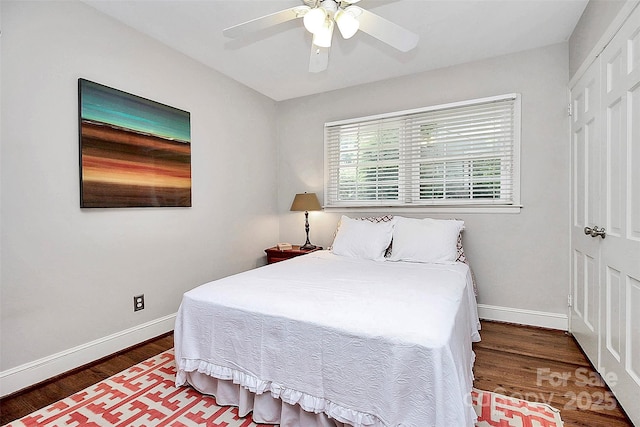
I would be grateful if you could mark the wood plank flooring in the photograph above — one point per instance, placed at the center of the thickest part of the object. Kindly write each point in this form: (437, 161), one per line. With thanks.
(531, 363)
(545, 366)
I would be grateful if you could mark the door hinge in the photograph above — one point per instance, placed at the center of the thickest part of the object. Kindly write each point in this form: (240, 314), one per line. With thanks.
(570, 300)
(569, 110)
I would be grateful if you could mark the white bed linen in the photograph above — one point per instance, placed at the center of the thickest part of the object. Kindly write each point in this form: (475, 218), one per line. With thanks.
(367, 343)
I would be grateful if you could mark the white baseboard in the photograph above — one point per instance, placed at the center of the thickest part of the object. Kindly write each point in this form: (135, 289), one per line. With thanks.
(524, 317)
(22, 376)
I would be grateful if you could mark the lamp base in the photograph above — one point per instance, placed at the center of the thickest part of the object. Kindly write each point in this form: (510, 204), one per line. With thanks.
(307, 244)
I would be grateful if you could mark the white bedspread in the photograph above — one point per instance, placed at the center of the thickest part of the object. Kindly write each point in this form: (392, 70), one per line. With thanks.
(367, 343)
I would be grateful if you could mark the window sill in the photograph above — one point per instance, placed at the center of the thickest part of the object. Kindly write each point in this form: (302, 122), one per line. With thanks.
(512, 209)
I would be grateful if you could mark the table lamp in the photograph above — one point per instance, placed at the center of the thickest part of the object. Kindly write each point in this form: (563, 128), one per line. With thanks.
(306, 202)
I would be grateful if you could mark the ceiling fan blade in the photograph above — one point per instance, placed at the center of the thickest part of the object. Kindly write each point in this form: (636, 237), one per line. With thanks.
(387, 32)
(319, 59)
(265, 22)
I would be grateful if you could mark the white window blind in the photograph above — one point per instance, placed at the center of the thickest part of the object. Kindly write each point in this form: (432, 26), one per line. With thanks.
(456, 154)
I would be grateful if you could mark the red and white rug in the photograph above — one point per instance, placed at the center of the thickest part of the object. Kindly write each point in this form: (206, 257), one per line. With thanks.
(501, 411)
(146, 395)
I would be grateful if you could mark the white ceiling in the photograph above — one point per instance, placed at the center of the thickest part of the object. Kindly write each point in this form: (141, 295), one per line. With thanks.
(275, 61)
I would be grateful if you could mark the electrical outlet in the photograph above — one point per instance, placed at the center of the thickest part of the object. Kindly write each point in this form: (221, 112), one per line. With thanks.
(138, 302)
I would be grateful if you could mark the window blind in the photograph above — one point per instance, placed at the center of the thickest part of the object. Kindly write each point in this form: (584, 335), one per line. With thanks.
(456, 154)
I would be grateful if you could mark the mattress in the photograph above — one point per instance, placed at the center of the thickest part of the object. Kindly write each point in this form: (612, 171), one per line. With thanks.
(367, 343)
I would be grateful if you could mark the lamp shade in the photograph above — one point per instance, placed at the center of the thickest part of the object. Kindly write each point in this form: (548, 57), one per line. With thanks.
(306, 202)
(322, 36)
(314, 19)
(347, 22)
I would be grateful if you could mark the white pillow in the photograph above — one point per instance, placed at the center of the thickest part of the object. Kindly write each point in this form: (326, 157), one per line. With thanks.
(362, 239)
(426, 240)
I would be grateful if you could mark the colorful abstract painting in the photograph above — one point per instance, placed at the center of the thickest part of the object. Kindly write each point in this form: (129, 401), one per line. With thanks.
(133, 152)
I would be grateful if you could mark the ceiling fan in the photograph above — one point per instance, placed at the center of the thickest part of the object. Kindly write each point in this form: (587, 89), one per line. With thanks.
(321, 16)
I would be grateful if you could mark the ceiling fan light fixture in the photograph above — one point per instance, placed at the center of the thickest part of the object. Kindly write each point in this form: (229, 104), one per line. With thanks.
(314, 19)
(322, 37)
(320, 18)
(347, 22)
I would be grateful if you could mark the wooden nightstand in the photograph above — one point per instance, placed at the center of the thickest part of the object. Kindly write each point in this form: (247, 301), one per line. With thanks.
(275, 255)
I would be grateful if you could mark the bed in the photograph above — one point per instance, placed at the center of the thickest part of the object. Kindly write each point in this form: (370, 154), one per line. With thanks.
(340, 337)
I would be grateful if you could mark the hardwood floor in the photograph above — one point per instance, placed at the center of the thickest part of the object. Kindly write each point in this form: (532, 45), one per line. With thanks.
(528, 363)
(544, 366)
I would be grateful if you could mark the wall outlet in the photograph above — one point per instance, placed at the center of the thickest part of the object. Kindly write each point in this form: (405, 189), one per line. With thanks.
(138, 302)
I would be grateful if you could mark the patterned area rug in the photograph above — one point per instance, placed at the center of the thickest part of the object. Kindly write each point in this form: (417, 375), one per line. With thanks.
(145, 395)
(501, 411)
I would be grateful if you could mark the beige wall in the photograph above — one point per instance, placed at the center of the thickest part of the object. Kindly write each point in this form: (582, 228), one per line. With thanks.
(69, 275)
(521, 260)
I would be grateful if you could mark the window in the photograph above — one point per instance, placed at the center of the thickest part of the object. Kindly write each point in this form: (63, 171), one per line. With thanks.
(462, 154)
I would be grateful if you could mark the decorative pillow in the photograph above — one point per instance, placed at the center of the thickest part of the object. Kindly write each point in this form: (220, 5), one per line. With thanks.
(426, 240)
(463, 258)
(460, 250)
(362, 239)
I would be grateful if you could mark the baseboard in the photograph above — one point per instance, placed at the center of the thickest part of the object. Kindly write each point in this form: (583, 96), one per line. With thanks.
(524, 317)
(23, 376)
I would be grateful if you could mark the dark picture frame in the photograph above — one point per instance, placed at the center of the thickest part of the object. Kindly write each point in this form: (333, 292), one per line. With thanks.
(134, 152)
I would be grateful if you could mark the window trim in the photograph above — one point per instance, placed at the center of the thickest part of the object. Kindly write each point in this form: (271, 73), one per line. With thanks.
(444, 206)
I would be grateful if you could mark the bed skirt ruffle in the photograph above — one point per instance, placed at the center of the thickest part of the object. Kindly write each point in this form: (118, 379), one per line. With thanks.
(268, 407)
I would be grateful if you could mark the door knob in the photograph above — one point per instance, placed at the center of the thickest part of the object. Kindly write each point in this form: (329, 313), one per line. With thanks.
(595, 232)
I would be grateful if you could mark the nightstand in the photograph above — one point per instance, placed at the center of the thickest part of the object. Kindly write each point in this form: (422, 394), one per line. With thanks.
(275, 255)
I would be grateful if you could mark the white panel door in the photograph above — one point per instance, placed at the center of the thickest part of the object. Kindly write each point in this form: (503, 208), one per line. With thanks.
(620, 249)
(586, 152)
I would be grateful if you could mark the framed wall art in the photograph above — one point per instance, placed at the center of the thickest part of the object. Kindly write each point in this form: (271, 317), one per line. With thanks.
(134, 152)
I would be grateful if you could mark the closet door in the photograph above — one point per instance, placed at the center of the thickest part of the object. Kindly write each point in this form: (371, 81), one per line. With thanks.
(620, 249)
(587, 151)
